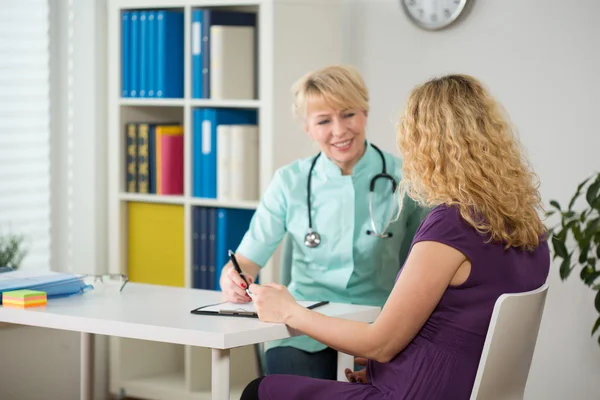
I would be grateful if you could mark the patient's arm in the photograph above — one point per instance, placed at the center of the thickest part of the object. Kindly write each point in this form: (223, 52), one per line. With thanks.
(429, 269)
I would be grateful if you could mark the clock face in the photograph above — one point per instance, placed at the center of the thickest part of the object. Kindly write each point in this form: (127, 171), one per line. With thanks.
(433, 14)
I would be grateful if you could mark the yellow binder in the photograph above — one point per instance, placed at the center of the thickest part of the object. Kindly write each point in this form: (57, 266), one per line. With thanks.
(155, 244)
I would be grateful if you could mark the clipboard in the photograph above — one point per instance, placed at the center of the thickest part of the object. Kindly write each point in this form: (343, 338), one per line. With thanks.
(244, 309)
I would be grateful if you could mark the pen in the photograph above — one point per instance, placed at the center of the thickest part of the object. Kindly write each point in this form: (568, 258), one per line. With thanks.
(239, 271)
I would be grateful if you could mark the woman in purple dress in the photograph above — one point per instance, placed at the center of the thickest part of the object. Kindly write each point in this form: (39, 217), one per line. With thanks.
(483, 238)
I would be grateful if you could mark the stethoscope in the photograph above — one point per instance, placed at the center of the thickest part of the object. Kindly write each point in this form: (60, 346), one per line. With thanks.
(313, 239)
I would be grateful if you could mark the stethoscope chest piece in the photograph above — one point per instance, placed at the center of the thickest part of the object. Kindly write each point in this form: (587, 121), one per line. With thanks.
(312, 239)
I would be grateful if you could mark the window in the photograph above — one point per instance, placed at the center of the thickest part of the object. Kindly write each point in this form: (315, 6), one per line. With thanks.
(25, 127)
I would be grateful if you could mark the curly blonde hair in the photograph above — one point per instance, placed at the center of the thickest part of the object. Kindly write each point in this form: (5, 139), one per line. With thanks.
(459, 149)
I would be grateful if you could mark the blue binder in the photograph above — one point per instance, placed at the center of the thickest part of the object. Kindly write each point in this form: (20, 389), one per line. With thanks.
(134, 56)
(203, 281)
(212, 248)
(197, 45)
(196, 283)
(204, 145)
(144, 45)
(151, 51)
(125, 53)
(169, 54)
(232, 225)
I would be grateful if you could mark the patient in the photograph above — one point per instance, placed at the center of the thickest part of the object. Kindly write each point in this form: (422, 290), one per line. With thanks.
(483, 238)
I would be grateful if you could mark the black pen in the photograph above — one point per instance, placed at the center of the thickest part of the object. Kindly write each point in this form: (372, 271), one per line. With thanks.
(239, 271)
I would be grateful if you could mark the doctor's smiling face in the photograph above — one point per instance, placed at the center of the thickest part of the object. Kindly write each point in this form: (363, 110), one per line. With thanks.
(340, 134)
(333, 104)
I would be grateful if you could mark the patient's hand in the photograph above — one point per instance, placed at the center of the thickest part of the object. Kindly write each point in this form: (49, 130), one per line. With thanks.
(358, 376)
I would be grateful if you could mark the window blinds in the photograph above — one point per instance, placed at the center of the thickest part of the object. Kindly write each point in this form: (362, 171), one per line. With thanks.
(25, 127)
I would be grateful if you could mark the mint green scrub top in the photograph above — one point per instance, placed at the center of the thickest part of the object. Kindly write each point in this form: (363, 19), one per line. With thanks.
(348, 266)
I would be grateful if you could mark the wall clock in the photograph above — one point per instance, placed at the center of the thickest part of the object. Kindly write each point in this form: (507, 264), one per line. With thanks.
(433, 14)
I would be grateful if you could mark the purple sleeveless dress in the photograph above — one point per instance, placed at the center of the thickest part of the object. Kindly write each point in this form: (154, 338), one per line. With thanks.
(442, 360)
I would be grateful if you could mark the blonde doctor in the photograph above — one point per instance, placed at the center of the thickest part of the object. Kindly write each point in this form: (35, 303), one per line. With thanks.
(337, 208)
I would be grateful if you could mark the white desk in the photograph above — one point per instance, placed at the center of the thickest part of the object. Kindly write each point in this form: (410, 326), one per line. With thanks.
(162, 314)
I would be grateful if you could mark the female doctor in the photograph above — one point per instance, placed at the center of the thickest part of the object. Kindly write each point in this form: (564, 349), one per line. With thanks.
(337, 208)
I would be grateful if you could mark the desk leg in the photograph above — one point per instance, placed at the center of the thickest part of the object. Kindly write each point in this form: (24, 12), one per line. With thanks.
(86, 388)
(220, 374)
(344, 361)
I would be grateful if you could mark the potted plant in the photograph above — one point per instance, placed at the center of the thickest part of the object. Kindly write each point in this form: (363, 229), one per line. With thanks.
(576, 239)
(12, 250)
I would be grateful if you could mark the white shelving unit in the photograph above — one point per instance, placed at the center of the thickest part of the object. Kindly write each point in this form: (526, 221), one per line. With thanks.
(294, 36)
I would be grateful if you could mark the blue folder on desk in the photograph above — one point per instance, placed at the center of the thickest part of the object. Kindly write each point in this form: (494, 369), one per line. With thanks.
(54, 284)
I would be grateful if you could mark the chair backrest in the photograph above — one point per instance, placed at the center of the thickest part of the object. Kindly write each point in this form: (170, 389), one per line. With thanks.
(509, 345)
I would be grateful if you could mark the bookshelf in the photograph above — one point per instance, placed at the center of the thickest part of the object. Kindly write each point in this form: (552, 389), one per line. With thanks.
(292, 37)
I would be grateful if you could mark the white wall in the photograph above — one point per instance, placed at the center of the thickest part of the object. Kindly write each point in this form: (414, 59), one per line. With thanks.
(540, 58)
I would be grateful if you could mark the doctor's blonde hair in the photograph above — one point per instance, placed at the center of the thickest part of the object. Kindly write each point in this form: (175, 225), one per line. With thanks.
(340, 86)
(459, 149)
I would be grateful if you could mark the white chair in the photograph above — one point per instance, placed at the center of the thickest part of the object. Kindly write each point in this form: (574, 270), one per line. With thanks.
(509, 345)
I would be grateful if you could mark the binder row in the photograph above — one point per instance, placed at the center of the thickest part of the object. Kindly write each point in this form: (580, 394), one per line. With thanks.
(152, 53)
(225, 156)
(215, 230)
(154, 158)
(212, 157)
(223, 54)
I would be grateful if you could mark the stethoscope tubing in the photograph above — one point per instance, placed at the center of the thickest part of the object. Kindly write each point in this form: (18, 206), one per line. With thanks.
(312, 238)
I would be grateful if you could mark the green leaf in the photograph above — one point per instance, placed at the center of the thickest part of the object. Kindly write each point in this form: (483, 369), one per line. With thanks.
(565, 268)
(583, 252)
(562, 234)
(592, 227)
(597, 287)
(598, 250)
(555, 204)
(570, 227)
(592, 193)
(577, 193)
(577, 233)
(591, 276)
(559, 247)
(596, 326)
(585, 273)
(550, 213)
(583, 216)
(597, 302)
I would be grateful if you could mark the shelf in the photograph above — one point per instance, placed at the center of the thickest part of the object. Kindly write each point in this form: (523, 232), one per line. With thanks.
(151, 198)
(150, 102)
(194, 201)
(225, 103)
(248, 205)
(134, 4)
(161, 371)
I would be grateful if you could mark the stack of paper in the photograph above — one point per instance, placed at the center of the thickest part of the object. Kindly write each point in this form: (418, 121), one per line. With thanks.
(24, 298)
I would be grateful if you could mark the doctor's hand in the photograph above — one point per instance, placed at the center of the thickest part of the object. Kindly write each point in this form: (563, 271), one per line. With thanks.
(233, 286)
(273, 303)
(358, 376)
